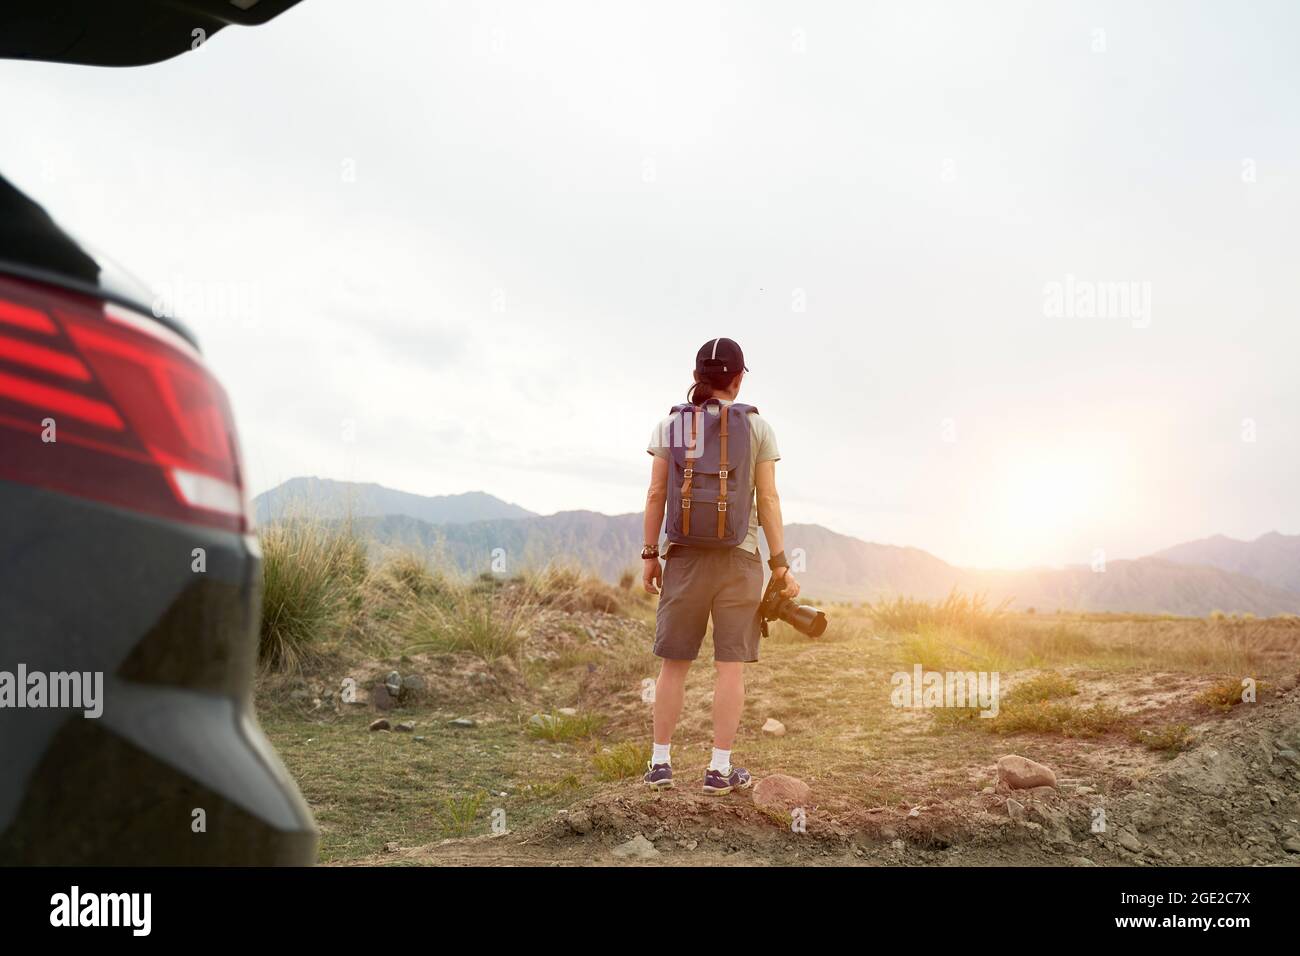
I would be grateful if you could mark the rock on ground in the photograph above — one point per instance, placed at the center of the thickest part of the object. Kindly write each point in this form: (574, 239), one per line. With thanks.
(774, 727)
(1021, 773)
(380, 724)
(637, 848)
(781, 792)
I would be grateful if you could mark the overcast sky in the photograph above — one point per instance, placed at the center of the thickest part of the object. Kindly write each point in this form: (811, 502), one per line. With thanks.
(458, 246)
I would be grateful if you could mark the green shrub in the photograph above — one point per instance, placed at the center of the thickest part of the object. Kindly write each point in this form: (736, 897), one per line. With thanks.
(558, 727)
(621, 761)
(311, 578)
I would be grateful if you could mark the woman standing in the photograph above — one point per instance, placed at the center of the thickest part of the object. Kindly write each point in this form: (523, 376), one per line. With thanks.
(714, 479)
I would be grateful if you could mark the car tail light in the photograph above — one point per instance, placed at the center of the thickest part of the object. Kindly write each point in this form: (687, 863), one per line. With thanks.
(104, 403)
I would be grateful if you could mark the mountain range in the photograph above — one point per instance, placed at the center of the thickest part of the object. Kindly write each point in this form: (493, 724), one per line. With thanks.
(470, 531)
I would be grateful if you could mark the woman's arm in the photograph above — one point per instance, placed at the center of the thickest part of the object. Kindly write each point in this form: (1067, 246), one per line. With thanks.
(656, 499)
(769, 516)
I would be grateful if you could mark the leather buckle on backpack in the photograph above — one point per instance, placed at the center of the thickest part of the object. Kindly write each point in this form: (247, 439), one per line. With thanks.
(722, 474)
(686, 504)
(722, 506)
(688, 472)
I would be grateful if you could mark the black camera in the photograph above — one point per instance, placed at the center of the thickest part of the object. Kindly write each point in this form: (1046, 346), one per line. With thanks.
(802, 617)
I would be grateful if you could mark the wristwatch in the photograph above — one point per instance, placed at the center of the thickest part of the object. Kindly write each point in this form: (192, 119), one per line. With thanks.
(649, 551)
(778, 561)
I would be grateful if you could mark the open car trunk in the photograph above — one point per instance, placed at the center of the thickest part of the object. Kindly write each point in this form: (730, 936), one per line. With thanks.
(120, 32)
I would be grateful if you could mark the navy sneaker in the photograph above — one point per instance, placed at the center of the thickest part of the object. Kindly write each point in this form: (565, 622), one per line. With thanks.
(659, 776)
(720, 781)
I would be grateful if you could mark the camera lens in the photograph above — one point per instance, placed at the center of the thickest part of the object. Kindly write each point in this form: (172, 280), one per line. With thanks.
(805, 619)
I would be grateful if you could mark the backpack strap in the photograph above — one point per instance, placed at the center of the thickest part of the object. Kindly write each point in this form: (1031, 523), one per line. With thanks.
(724, 412)
(688, 471)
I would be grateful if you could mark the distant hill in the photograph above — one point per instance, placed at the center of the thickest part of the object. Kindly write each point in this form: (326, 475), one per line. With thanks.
(603, 544)
(328, 500)
(1272, 558)
(1149, 585)
(837, 567)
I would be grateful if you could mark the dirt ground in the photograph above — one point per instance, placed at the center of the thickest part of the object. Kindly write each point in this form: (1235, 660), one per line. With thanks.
(890, 785)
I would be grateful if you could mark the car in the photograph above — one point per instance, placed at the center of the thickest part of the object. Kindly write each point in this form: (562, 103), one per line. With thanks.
(130, 574)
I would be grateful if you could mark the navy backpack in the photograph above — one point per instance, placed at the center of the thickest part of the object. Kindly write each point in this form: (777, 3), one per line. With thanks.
(709, 486)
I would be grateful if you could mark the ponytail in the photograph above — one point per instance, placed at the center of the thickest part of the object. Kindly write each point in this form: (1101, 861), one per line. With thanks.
(700, 392)
(705, 385)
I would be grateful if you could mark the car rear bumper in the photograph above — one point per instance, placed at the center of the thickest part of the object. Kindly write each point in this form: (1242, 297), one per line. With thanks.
(175, 770)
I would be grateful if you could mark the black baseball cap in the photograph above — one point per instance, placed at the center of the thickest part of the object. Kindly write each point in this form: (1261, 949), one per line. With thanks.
(720, 356)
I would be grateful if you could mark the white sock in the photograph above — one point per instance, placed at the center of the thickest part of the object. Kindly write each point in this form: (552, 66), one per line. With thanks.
(660, 754)
(721, 760)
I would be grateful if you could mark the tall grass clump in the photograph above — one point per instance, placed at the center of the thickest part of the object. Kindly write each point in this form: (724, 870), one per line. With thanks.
(463, 618)
(312, 576)
(567, 587)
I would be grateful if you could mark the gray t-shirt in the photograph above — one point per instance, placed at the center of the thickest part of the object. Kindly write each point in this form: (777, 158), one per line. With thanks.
(762, 447)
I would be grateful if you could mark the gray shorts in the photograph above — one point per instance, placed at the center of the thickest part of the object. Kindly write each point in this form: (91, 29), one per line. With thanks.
(724, 582)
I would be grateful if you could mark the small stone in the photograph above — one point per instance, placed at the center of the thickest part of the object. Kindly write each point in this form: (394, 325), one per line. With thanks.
(715, 833)
(394, 683)
(688, 844)
(580, 821)
(463, 722)
(1291, 844)
(1016, 810)
(914, 813)
(1128, 841)
(406, 726)
(390, 848)
(380, 724)
(568, 711)
(543, 721)
(774, 727)
(637, 848)
(413, 682)
(1021, 773)
(381, 698)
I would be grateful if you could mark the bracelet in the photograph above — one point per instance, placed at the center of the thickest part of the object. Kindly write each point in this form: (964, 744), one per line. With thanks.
(778, 561)
(649, 551)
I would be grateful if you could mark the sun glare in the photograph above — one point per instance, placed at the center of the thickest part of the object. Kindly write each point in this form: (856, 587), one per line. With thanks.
(1043, 506)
